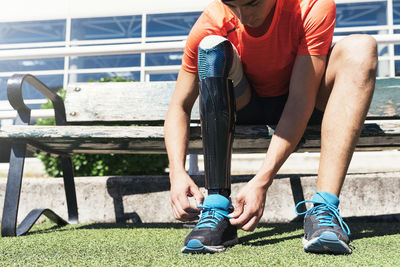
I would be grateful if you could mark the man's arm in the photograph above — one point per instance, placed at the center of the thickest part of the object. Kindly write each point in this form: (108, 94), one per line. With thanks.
(304, 84)
(176, 129)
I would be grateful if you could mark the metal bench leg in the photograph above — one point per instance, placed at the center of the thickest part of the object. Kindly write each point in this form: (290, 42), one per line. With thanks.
(193, 164)
(298, 195)
(13, 190)
(69, 186)
(12, 197)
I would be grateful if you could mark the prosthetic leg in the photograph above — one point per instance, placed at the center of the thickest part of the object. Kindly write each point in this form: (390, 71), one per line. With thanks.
(217, 57)
(219, 71)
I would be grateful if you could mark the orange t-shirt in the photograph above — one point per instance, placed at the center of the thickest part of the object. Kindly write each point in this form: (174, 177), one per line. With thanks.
(299, 27)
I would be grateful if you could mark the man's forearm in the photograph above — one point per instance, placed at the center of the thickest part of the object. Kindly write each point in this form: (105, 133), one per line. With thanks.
(176, 130)
(285, 139)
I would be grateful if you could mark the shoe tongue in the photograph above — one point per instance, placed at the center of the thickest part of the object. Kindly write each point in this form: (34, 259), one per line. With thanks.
(326, 197)
(217, 201)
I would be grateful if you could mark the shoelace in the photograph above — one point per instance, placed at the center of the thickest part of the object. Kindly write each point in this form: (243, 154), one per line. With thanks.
(325, 213)
(210, 217)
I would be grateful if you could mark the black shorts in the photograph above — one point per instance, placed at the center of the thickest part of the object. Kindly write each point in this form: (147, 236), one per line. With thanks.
(268, 111)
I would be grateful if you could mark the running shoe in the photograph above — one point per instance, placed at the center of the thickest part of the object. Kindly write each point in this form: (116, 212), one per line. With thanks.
(213, 232)
(324, 229)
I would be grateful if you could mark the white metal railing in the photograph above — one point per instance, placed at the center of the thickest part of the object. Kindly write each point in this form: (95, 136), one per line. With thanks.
(381, 29)
(93, 42)
(381, 38)
(119, 49)
(8, 113)
(147, 69)
(92, 50)
(35, 114)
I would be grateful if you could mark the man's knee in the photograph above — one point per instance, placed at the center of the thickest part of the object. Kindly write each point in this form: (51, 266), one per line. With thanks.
(215, 57)
(219, 58)
(359, 52)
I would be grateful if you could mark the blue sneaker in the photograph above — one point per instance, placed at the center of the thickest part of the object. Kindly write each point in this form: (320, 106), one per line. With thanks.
(213, 232)
(324, 229)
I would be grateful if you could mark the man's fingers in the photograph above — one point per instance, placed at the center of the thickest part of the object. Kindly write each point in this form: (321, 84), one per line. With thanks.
(251, 224)
(242, 219)
(238, 210)
(187, 207)
(198, 196)
(185, 216)
(176, 214)
(183, 211)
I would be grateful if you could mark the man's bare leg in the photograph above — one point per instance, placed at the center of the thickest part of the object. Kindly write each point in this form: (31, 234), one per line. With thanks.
(346, 92)
(345, 95)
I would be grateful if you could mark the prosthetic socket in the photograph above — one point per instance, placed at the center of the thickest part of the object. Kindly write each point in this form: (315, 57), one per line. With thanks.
(217, 110)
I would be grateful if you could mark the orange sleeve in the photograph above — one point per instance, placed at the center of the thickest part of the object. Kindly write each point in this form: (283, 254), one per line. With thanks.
(204, 26)
(318, 26)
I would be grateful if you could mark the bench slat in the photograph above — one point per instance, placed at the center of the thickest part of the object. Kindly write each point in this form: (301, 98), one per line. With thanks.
(115, 102)
(150, 139)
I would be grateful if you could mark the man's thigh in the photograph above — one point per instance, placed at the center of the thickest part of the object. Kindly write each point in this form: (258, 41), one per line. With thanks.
(268, 111)
(262, 110)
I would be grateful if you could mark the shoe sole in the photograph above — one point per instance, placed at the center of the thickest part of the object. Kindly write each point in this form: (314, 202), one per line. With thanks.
(195, 246)
(327, 242)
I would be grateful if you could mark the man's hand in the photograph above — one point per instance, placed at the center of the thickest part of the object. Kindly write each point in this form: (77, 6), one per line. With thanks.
(249, 206)
(183, 187)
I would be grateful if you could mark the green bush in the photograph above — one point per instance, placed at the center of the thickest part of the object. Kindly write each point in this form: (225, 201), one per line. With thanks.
(108, 164)
(103, 164)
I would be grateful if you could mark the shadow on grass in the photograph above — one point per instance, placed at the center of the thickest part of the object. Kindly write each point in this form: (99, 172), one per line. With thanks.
(373, 226)
(267, 237)
(266, 234)
(133, 226)
(361, 227)
(94, 226)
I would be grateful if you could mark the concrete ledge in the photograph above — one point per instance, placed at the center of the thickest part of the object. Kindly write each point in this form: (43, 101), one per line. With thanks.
(107, 199)
(308, 162)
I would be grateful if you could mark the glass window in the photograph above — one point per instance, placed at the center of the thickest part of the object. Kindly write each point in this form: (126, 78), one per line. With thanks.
(106, 28)
(173, 24)
(86, 77)
(32, 64)
(396, 11)
(54, 82)
(361, 14)
(3, 86)
(383, 50)
(397, 67)
(162, 59)
(397, 47)
(112, 61)
(163, 77)
(32, 31)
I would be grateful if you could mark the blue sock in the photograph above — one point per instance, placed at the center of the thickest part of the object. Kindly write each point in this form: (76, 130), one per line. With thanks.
(326, 197)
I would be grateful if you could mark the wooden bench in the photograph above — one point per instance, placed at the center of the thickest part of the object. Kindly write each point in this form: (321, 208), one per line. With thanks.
(88, 105)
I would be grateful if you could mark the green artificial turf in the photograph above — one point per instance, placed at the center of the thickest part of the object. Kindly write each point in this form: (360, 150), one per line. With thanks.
(375, 244)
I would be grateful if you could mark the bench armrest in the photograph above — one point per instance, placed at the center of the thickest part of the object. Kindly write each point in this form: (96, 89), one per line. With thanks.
(14, 93)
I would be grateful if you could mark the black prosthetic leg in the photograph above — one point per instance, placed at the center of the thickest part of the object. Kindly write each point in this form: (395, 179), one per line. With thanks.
(217, 113)
(213, 232)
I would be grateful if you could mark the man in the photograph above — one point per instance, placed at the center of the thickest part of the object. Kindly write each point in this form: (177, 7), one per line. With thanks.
(267, 62)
